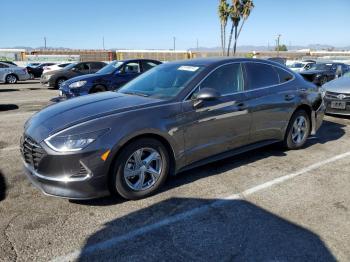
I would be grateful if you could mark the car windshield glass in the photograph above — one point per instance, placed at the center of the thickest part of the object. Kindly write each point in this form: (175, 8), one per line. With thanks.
(164, 81)
(320, 67)
(346, 74)
(110, 68)
(70, 66)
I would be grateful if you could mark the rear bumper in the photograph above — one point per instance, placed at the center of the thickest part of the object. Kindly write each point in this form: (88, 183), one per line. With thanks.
(23, 77)
(80, 189)
(317, 118)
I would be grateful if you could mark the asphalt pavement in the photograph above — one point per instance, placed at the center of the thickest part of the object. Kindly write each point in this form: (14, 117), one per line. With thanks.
(265, 205)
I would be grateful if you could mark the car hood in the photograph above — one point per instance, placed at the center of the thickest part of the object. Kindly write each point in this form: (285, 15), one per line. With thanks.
(312, 72)
(84, 77)
(340, 85)
(57, 117)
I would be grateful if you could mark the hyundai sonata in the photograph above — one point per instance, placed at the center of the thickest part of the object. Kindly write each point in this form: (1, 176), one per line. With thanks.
(174, 117)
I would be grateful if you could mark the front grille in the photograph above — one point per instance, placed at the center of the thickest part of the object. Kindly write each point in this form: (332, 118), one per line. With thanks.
(32, 152)
(83, 172)
(333, 95)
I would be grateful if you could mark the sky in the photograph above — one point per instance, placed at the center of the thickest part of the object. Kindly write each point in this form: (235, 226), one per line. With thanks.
(152, 24)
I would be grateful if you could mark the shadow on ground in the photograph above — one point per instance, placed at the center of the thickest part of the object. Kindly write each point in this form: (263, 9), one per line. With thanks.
(329, 131)
(8, 107)
(2, 187)
(182, 229)
(2, 90)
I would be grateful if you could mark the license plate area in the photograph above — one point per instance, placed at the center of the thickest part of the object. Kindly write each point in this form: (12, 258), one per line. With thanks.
(338, 105)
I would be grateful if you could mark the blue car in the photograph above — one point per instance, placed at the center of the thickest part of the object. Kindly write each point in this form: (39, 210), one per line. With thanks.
(111, 77)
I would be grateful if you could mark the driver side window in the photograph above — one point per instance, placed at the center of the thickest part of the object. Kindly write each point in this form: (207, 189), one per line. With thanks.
(227, 79)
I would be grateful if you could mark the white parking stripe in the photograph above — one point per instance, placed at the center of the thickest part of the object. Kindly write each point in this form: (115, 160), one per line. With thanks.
(185, 215)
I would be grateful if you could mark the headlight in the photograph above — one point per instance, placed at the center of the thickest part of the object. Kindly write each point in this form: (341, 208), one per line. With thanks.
(71, 143)
(318, 75)
(77, 84)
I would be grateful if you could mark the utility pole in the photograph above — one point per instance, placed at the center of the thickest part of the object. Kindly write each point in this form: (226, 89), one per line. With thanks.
(103, 43)
(278, 44)
(174, 38)
(197, 45)
(45, 42)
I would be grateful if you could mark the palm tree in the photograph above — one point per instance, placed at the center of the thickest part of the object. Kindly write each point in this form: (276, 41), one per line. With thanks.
(223, 14)
(235, 16)
(248, 6)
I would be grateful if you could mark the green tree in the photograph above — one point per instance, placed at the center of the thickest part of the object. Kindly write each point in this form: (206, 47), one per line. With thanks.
(223, 14)
(239, 12)
(281, 48)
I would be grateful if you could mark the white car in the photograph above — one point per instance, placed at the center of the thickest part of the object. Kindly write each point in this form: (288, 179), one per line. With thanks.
(300, 66)
(54, 67)
(10, 74)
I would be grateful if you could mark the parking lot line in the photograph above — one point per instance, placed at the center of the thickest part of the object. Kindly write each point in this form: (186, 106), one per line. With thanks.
(185, 215)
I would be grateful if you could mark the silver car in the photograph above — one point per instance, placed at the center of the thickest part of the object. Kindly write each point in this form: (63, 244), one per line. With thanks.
(11, 74)
(337, 95)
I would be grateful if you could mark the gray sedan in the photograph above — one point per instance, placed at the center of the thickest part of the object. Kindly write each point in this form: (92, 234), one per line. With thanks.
(173, 117)
(337, 95)
(10, 74)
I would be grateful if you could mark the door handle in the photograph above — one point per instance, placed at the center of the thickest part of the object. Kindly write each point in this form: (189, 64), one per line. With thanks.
(289, 97)
(241, 106)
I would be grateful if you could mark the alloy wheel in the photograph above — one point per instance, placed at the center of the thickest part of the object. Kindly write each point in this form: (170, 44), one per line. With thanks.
(11, 79)
(299, 130)
(143, 169)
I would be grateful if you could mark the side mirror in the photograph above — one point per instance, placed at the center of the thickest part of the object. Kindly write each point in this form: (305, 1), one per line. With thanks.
(75, 69)
(206, 94)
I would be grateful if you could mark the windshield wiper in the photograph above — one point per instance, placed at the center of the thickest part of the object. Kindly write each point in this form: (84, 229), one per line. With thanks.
(135, 93)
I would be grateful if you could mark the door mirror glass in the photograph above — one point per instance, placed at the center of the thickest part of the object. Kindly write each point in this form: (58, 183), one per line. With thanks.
(207, 94)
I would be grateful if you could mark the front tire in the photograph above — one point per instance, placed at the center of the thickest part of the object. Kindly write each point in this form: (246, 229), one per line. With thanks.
(98, 89)
(298, 130)
(140, 170)
(59, 82)
(323, 80)
(11, 79)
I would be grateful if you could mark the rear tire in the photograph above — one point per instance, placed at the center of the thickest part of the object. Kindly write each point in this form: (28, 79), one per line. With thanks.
(131, 178)
(298, 130)
(323, 80)
(11, 79)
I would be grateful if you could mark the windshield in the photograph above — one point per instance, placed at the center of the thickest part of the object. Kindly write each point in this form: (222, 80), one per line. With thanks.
(70, 66)
(164, 81)
(110, 68)
(321, 67)
(347, 74)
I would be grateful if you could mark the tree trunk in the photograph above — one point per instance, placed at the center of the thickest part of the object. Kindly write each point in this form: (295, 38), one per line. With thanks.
(235, 44)
(222, 40)
(230, 41)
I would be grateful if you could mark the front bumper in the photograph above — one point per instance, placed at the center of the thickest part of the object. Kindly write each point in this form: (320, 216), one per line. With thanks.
(82, 175)
(47, 82)
(71, 189)
(67, 92)
(333, 111)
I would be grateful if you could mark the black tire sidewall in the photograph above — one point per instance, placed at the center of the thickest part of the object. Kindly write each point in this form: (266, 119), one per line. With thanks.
(98, 89)
(58, 80)
(6, 79)
(117, 181)
(288, 141)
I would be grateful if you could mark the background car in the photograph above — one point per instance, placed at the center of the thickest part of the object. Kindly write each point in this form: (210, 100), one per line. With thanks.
(9, 62)
(337, 95)
(57, 77)
(174, 117)
(301, 66)
(36, 71)
(10, 74)
(33, 64)
(55, 67)
(109, 78)
(321, 73)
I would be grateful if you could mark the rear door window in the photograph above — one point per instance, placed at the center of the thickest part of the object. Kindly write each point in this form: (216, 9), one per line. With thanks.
(283, 75)
(147, 65)
(260, 75)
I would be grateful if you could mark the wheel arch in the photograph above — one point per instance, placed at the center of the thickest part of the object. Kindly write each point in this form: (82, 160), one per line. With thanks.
(308, 109)
(91, 91)
(154, 135)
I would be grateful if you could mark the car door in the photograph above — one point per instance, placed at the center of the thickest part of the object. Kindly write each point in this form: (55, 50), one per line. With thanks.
(271, 97)
(220, 125)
